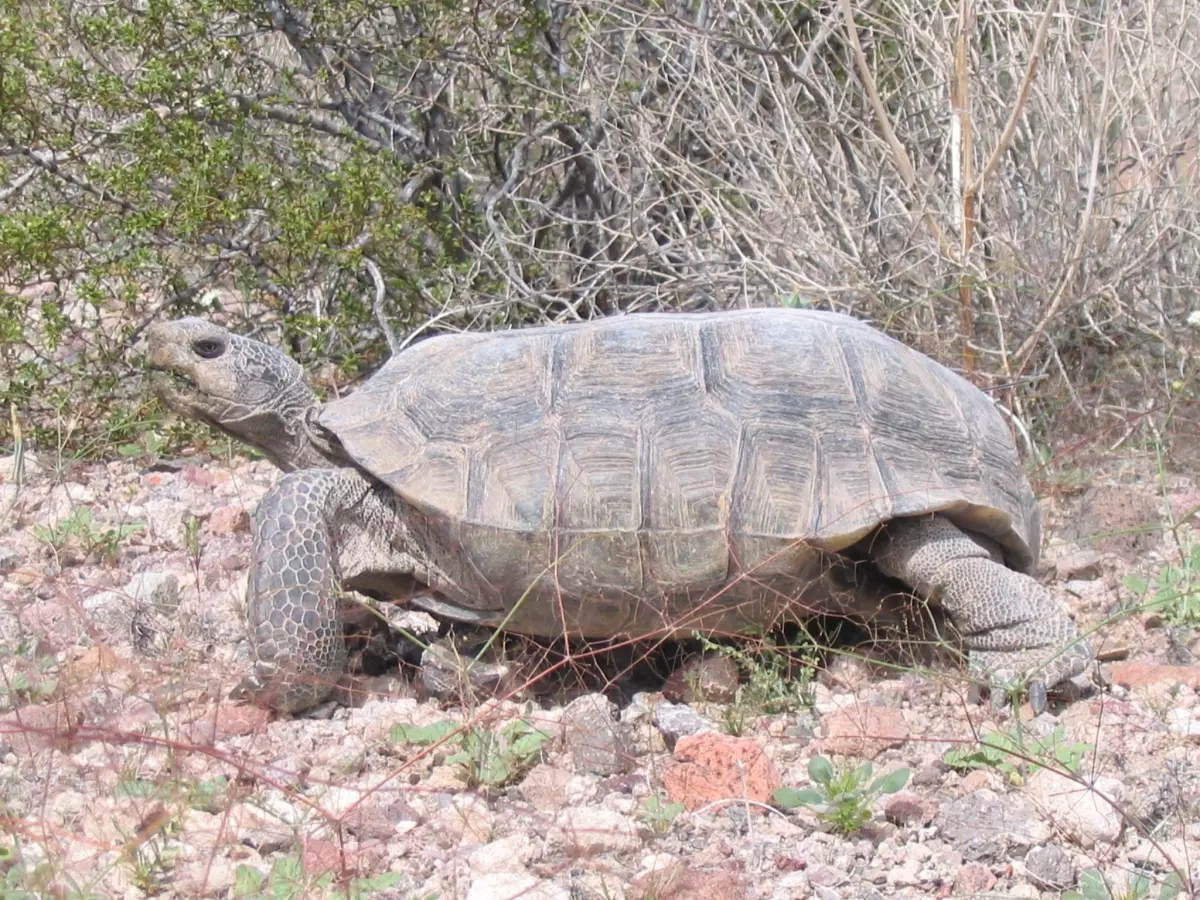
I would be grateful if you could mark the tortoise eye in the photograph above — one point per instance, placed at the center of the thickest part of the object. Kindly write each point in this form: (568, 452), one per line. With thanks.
(209, 349)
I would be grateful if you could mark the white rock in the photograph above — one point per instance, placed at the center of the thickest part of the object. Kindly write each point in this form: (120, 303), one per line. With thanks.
(509, 854)
(337, 801)
(1184, 721)
(588, 830)
(657, 862)
(791, 886)
(1023, 891)
(159, 590)
(1161, 854)
(465, 820)
(208, 877)
(1080, 809)
(907, 874)
(8, 466)
(511, 886)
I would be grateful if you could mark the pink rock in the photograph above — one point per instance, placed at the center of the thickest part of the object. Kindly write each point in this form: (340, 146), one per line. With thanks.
(229, 520)
(1146, 674)
(321, 856)
(35, 728)
(709, 766)
(864, 731)
(225, 721)
(974, 880)
(1185, 505)
(197, 476)
(907, 808)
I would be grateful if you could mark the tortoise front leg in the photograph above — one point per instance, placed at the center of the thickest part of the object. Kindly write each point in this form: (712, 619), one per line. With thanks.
(315, 531)
(292, 622)
(1012, 625)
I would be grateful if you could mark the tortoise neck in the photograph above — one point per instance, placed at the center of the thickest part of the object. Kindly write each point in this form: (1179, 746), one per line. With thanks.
(284, 433)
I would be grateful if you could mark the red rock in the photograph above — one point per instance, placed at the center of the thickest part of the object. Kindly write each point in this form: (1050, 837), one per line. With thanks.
(229, 520)
(907, 808)
(678, 881)
(711, 766)
(1185, 505)
(321, 856)
(974, 880)
(1146, 674)
(196, 476)
(35, 728)
(864, 731)
(225, 721)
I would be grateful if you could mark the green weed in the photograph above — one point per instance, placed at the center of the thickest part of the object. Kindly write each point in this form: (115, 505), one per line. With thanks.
(774, 683)
(485, 758)
(287, 881)
(1175, 591)
(1018, 755)
(79, 536)
(841, 799)
(1094, 886)
(657, 815)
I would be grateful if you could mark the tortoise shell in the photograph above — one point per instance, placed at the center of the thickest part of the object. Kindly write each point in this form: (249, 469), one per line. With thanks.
(670, 454)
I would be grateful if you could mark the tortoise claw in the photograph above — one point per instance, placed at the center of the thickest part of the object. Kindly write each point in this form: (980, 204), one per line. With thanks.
(1037, 696)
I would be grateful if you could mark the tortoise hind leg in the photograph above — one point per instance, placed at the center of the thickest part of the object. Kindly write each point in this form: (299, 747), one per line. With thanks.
(1012, 625)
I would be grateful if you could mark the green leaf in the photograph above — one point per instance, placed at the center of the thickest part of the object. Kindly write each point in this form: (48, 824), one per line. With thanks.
(361, 888)
(286, 878)
(422, 734)
(819, 770)
(790, 798)
(891, 782)
(961, 759)
(247, 881)
(1172, 887)
(1135, 583)
(498, 771)
(1093, 885)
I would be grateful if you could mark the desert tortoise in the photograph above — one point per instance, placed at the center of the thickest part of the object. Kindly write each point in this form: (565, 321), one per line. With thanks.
(644, 474)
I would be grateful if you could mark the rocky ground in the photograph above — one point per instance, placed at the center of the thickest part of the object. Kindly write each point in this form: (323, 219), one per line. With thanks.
(126, 772)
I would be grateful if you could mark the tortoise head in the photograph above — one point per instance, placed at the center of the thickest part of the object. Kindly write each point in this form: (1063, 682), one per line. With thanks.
(240, 386)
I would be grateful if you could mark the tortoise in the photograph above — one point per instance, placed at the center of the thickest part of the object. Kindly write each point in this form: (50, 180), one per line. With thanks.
(645, 474)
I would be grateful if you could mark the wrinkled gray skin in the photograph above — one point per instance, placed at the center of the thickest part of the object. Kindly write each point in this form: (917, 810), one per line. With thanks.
(328, 523)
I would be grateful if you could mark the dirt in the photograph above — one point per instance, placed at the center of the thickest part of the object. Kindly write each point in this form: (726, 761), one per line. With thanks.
(128, 773)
